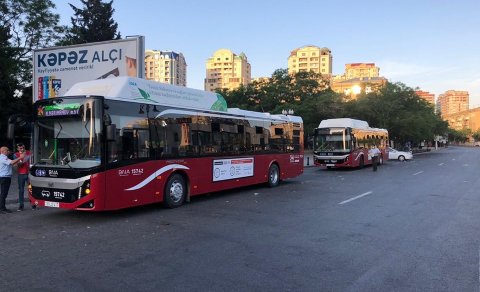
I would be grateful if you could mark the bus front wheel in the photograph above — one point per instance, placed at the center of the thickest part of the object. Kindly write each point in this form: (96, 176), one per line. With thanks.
(273, 175)
(175, 191)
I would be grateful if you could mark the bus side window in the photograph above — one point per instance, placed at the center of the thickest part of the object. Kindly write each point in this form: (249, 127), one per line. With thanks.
(128, 148)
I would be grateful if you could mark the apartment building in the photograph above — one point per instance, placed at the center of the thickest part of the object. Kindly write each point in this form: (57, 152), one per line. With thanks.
(358, 78)
(361, 70)
(427, 96)
(311, 58)
(226, 70)
(166, 67)
(453, 101)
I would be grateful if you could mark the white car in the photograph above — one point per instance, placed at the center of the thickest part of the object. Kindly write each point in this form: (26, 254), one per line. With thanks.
(400, 155)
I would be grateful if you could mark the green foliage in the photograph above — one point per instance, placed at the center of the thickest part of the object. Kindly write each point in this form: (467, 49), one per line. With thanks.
(92, 23)
(398, 109)
(25, 25)
(476, 135)
(458, 136)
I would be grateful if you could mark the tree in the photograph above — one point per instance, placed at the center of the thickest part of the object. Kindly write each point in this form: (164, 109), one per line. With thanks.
(476, 135)
(25, 25)
(92, 23)
(398, 109)
(458, 136)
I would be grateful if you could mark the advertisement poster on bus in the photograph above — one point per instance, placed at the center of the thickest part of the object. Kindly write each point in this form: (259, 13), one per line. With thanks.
(224, 169)
(57, 69)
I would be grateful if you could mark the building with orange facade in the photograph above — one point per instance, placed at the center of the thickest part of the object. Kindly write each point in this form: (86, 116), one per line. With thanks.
(358, 78)
(427, 96)
(469, 119)
(453, 101)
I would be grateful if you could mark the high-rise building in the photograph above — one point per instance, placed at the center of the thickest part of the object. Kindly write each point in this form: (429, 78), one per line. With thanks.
(427, 96)
(166, 67)
(453, 101)
(358, 78)
(311, 58)
(226, 70)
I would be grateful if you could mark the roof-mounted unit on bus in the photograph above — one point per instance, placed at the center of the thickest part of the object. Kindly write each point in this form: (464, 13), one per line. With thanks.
(344, 123)
(149, 92)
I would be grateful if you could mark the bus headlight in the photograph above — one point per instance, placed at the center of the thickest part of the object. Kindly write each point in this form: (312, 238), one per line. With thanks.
(84, 190)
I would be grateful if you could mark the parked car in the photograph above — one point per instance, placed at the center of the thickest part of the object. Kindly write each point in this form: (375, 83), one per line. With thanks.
(400, 155)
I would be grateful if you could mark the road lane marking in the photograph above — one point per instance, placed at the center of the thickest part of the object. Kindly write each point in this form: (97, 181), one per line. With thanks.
(441, 164)
(354, 198)
(418, 172)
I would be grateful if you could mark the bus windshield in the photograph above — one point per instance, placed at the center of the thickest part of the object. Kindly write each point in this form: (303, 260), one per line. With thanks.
(67, 132)
(332, 140)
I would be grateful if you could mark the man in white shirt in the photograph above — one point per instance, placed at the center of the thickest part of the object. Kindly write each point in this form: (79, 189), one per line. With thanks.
(374, 152)
(6, 176)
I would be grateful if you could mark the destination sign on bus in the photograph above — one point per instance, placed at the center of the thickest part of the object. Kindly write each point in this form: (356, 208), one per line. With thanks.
(57, 110)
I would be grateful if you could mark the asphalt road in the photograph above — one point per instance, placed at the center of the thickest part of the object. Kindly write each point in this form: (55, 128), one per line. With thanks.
(410, 226)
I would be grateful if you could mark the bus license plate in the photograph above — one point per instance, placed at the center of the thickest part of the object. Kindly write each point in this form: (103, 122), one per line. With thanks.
(329, 164)
(52, 204)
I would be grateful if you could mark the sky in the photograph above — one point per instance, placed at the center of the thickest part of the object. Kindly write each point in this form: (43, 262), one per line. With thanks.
(430, 44)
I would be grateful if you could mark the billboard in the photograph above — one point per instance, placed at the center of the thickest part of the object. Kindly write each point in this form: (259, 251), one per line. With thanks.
(57, 69)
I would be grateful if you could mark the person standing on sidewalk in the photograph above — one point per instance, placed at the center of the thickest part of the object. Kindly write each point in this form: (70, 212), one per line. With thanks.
(6, 176)
(23, 166)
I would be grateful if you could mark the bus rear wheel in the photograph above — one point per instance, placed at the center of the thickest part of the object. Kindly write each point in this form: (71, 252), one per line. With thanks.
(273, 175)
(175, 191)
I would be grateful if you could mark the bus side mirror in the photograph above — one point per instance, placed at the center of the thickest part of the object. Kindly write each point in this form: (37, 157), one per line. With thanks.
(11, 131)
(111, 132)
(11, 127)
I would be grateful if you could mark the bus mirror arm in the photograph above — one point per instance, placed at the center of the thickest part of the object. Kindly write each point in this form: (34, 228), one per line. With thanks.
(11, 126)
(10, 131)
(111, 132)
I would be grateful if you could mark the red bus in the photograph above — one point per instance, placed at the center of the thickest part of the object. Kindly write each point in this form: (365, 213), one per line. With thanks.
(123, 142)
(345, 142)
